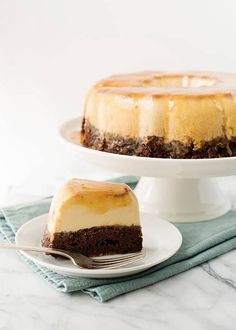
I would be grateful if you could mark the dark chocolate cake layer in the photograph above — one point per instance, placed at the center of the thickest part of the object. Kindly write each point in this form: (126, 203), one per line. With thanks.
(97, 241)
(153, 146)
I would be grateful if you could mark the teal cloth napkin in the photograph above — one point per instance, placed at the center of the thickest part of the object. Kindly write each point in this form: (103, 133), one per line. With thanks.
(202, 241)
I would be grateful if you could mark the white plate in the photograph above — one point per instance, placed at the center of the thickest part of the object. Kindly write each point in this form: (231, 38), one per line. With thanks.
(161, 241)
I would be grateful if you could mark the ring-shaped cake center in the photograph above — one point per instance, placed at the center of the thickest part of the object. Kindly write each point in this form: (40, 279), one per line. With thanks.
(180, 81)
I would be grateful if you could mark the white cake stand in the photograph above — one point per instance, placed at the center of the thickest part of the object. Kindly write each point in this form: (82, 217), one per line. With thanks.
(179, 190)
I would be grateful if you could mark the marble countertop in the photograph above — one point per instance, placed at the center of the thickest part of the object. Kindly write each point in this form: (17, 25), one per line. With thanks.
(201, 298)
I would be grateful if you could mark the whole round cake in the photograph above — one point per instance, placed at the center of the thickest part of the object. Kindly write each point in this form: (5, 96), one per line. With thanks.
(158, 114)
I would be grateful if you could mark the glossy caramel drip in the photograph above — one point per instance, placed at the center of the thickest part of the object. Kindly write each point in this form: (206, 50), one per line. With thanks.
(188, 106)
(80, 186)
(156, 83)
(82, 203)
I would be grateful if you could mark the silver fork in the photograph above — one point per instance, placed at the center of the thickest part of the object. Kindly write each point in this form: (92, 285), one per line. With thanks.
(80, 260)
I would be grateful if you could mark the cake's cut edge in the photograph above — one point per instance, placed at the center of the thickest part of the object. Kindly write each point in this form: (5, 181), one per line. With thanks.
(96, 241)
(94, 218)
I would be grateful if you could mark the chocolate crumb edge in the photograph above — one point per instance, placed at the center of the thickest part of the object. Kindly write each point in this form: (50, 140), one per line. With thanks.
(155, 147)
(95, 241)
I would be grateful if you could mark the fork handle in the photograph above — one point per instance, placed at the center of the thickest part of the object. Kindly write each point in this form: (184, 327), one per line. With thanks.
(12, 246)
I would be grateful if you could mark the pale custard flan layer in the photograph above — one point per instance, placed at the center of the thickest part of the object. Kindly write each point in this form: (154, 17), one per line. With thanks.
(156, 114)
(94, 218)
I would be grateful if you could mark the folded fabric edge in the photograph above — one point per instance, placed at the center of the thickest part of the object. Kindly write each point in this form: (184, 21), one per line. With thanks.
(61, 283)
(104, 293)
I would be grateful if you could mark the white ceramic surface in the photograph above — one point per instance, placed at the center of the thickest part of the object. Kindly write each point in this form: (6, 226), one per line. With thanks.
(182, 200)
(179, 190)
(160, 240)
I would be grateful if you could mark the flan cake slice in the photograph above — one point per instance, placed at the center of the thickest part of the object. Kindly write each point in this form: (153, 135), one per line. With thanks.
(94, 218)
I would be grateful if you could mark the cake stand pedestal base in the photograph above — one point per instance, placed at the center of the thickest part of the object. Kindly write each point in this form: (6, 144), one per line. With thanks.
(182, 200)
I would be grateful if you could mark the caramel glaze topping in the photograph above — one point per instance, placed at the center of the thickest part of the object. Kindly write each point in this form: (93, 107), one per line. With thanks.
(190, 107)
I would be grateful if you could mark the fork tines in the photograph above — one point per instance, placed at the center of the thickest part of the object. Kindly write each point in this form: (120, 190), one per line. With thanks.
(118, 261)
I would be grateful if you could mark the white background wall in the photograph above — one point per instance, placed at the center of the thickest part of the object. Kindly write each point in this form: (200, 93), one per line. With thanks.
(51, 51)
